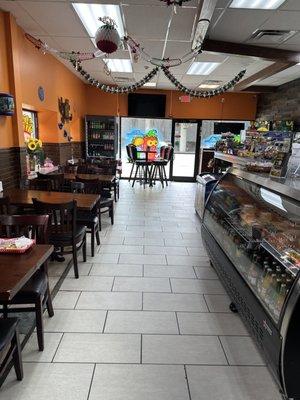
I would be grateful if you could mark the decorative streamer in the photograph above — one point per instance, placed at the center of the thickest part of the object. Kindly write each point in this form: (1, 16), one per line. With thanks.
(200, 93)
(113, 89)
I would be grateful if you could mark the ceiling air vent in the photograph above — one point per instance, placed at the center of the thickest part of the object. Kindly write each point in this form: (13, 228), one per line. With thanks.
(271, 35)
(122, 79)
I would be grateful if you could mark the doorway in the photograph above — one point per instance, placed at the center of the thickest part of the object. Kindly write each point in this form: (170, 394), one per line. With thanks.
(186, 143)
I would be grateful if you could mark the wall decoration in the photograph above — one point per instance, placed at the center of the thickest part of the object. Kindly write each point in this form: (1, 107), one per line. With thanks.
(41, 93)
(7, 104)
(175, 2)
(65, 110)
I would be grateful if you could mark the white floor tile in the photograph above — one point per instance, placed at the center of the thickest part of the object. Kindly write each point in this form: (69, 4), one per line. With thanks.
(241, 351)
(139, 382)
(142, 259)
(89, 283)
(84, 269)
(144, 241)
(65, 300)
(165, 250)
(116, 270)
(174, 302)
(169, 271)
(99, 348)
(217, 302)
(205, 273)
(75, 321)
(231, 383)
(125, 249)
(109, 301)
(197, 286)
(31, 351)
(210, 324)
(104, 258)
(179, 349)
(123, 284)
(49, 381)
(193, 261)
(141, 322)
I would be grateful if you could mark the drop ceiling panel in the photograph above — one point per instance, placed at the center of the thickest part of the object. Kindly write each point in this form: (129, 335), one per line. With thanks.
(182, 24)
(208, 56)
(57, 19)
(147, 22)
(177, 49)
(286, 20)
(67, 43)
(291, 5)
(236, 25)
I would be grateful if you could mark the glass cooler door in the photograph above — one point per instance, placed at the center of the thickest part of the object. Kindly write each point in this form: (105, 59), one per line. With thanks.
(259, 231)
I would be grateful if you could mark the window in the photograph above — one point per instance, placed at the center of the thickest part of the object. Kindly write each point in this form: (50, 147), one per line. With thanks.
(30, 124)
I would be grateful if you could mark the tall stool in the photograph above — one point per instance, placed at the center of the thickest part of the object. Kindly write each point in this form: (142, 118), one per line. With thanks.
(159, 165)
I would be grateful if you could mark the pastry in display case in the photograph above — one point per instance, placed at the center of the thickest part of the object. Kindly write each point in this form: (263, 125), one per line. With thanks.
(252, 234)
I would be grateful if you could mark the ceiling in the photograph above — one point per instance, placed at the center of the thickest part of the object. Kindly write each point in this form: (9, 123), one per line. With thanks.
(164, 33)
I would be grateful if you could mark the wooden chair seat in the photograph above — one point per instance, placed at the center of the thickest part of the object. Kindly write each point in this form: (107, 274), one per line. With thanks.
(34, 288)
(10, 346)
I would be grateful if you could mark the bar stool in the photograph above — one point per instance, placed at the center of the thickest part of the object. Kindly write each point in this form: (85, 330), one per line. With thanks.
(142, 166)
(159, 165)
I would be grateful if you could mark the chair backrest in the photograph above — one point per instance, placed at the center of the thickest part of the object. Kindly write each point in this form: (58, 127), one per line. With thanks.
(57, 180)
(77, 187)
(5, 207)
(128, 150)
(169, 153)
(133, 152)
(70, 169)
(40, 184)
(62, 215)
(81, 169)
(162, 152)
(32, 226)
(91, 186)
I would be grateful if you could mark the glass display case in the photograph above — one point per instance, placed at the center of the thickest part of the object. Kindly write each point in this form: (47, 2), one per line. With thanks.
(251, 229)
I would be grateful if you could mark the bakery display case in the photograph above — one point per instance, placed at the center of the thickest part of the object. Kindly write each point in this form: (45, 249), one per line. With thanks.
(251, 229)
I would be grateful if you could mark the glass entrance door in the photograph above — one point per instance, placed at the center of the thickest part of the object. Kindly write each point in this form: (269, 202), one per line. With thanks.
(186, 142)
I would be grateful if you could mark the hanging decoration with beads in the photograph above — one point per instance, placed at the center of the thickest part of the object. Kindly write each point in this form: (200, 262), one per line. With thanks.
(175, 2)
(200, 93)
(107, 37)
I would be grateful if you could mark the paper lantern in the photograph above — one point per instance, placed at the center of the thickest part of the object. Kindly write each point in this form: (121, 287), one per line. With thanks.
(107, 39)
(7, 104)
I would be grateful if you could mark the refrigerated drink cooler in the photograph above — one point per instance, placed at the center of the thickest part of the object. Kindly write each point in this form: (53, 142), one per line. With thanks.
(251, 230)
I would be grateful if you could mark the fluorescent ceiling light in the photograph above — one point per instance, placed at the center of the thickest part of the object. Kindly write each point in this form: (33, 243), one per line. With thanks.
(202, 68)
(118, 65)
(89, 14)
(209, 85)
(257, 4)
(150, 84)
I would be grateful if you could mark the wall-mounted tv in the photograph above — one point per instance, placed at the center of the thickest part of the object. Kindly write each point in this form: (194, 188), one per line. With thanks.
(146, 105)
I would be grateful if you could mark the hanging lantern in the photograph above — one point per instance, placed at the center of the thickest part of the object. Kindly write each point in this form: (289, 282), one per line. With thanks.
(107, 37)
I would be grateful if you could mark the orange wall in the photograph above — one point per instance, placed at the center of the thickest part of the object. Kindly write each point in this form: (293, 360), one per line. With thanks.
(237, 106)
(6, 129)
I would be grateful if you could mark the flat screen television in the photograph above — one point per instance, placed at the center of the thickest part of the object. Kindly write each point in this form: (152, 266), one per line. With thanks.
(224, 127)
(146, 105)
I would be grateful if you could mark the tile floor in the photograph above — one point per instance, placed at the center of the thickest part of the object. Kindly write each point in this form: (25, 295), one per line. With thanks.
(148, 318)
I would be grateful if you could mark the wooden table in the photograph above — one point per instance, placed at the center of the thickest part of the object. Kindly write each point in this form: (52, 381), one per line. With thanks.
(17, 269)
(23, 197)
(101, 178)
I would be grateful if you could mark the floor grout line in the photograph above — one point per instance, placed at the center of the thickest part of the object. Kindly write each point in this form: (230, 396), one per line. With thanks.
(92, 379)
(187, 382)
(57, 347)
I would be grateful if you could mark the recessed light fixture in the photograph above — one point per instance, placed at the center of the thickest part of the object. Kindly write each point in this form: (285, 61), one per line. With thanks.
(209, 85)
(89, 14)
(118, 64)
(257, 4)
(202, 68)
(150, 84)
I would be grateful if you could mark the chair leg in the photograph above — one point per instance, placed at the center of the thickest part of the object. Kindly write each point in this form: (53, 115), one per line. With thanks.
(49, 303)
(97, 236)
(165, 175)
(118, 190)
(93, 241)
(100, 225)
(111, 214)
(84, 249)
(17, 357)
(75, 262)
(131, 172)
(160, 176)
(39, 323)
(115, 191)
(5, 311)
(135, 175)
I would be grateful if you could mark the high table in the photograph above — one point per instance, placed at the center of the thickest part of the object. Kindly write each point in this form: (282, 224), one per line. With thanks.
(23, 197)
(17, 269)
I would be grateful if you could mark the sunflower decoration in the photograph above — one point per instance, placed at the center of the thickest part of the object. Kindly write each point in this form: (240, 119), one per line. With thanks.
(35, 148)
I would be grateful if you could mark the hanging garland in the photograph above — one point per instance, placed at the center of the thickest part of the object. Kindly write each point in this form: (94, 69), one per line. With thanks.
(113, 89)
(200, 93)
(175, 2)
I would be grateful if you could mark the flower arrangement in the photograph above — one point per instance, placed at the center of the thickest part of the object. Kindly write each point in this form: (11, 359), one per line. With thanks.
(35, 152)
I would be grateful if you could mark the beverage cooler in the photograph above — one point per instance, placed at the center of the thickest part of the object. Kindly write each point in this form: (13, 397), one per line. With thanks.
(205, 184)
(251, 229)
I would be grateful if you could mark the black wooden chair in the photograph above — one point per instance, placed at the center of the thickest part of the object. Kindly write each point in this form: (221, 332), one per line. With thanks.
(36, 291)
(106, 205)
(10, 349)
(142, 165)
(159, 165)
(5, 207)
(40, 184)
(64, 231)
(90, 219)
(57, 181)
(130, 159)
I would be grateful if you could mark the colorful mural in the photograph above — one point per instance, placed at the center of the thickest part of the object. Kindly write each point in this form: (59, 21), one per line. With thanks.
(149, 140)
